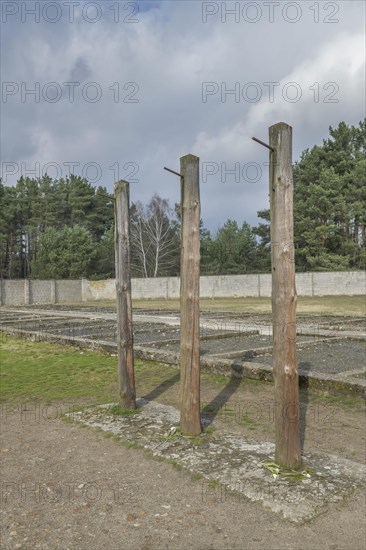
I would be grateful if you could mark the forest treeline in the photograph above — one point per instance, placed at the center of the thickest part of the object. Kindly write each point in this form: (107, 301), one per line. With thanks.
(65, 228)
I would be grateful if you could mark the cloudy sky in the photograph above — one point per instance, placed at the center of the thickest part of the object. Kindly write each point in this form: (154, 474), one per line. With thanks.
(121, 89)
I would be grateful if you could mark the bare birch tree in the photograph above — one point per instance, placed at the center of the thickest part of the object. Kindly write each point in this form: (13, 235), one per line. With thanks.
(154, 237)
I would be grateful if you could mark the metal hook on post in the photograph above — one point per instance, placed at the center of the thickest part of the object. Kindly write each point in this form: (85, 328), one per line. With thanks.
(264, 144)
(173, 172)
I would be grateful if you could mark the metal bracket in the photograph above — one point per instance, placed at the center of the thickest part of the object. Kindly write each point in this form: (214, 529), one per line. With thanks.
(173, 172)
(262, 143)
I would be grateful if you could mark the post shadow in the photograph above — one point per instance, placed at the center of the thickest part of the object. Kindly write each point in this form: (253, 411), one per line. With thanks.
(212, 409)
(304, 369)
(161, 388)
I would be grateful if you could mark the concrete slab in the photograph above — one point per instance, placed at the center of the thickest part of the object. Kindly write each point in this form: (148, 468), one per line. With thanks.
(229, 463)
(329, 361)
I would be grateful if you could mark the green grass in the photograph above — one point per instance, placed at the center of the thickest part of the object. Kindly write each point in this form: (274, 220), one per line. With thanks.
(248, 421)
(176, 465)
(116, 410)
(196, 476)
(328, 398)
(50, 372)
(222, 380)
(279, 471)
(209, 430)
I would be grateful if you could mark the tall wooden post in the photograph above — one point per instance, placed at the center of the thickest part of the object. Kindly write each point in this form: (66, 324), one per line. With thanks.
(284, 298)
(190, 417)
(126, 375)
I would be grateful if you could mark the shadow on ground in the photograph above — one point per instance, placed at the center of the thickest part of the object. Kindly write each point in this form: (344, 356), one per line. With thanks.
(161, 388)
(212, 409)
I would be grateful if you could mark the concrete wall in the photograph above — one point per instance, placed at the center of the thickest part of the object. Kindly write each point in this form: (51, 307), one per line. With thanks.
(13, 292)
(68, 291)
(20, 292)
(24, 291)
(225, 286)
(352, 282)
(41, 292)
(98, 290)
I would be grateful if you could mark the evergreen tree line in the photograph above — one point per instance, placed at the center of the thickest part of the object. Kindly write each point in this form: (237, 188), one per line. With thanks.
(65, 228)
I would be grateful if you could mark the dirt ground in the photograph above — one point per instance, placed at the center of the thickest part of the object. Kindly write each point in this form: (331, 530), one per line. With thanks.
(70, 488)
(64, 487)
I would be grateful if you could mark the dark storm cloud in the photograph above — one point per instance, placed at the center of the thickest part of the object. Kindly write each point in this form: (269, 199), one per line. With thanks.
(138, 100)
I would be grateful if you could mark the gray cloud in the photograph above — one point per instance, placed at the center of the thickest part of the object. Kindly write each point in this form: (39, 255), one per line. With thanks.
(162, 62)
(80, 71)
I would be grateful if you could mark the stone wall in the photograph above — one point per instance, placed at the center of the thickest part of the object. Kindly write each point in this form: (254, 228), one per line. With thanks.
(226, 286)
(13, 292)
(68, 291)
(25, 292)
(20, 292)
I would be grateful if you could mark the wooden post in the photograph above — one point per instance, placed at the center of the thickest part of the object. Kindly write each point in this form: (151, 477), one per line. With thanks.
(284, 298)
(126, 375)
(190, 416)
